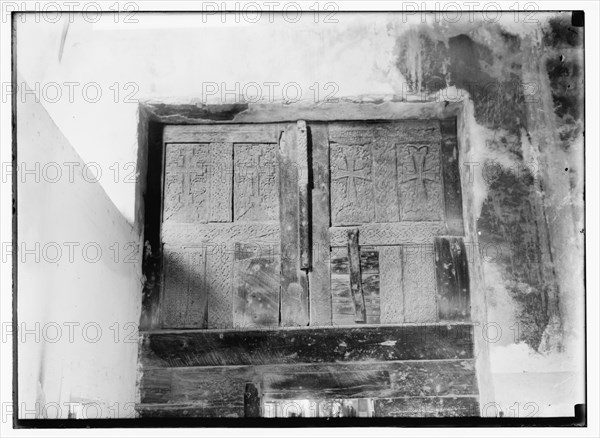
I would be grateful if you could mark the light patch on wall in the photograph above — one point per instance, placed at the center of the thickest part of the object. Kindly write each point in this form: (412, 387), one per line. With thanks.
(520, 358)
(136, 21)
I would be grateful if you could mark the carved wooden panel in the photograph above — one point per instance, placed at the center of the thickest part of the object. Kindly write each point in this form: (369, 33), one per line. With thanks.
(221, 197)
(351, 184)
(227, 133)
(398, 233)
(390, 277)
(185, 295)
(387, 180)
(419, 283)
(197, 183)
(385, 177)
(197, 289)
(256, 182)
(420, 185)
(216, 235)
(219, 263)
(386, 172)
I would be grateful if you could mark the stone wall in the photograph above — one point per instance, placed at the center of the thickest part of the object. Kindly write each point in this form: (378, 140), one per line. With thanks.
(526, 91)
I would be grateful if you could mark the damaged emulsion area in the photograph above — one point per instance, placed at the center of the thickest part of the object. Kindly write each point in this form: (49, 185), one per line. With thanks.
(487, 63)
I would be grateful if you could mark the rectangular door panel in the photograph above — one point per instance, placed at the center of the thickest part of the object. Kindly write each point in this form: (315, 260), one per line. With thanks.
(220, 226)
(256, 287)
(387, 182)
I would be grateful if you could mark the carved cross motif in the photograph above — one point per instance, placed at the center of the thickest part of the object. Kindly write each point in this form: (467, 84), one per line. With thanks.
(256, 183)
(351, 173)
(255, 192)
(249, 174)
(181, 172)
(418, 157)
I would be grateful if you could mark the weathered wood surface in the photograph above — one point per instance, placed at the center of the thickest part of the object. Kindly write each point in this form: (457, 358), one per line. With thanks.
(361, 132)
(342, 301)
(190, 410)
(452, 272)
(219, 279)
(355, 276)
(304, 209)
(185, 296)
(215, 175)
(385, 180)
(320, 293)
(352, 192)
(214, 236)
(221, 182)
(252, 401)
(219, 243)
(381, 379)
(256, 285)
(325, 385)
(390, 282)
(386, 172)
(420, 182)
(451, 176)
(419, 284)
(268, 133)
(294, 286)
(233, 347)
(256, 183)
(427, 407)
(253, 113)
(197, 183)
(406, 233)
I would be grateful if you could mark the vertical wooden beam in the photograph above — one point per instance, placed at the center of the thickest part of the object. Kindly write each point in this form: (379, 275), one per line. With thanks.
(451, 177)
(303, 194)
(452, 274)
(294, 287)
(251, 401)
(355, 276)
(319, 275)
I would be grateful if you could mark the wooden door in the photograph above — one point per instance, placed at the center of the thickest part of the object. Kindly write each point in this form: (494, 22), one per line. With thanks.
(369, 214)
(391, 195)
(227, 189)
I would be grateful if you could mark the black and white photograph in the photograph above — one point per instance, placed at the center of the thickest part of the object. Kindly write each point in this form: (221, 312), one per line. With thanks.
(266, 218)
